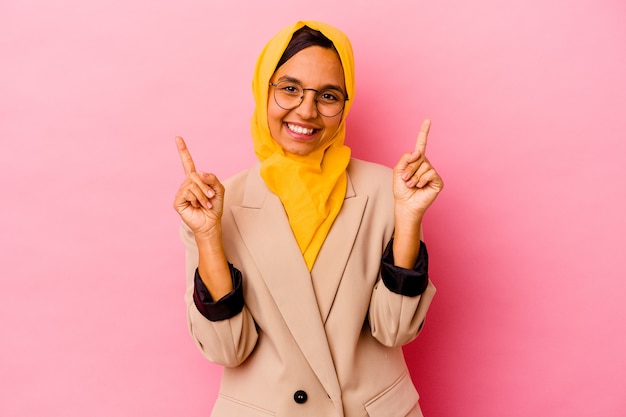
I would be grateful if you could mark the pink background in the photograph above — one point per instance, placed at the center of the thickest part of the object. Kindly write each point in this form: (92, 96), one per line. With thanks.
(528, 102)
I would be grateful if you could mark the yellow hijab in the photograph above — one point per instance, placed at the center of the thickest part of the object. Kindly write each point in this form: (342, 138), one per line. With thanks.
(312, 187)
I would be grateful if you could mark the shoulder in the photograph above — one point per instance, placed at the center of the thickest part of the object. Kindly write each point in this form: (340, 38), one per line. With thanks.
(364, 174)
(235, 185)
(373, 182)
(235, 180)
(359, 166)
(240, 179)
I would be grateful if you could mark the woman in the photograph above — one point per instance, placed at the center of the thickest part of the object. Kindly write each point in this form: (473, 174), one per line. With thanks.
(305, 273)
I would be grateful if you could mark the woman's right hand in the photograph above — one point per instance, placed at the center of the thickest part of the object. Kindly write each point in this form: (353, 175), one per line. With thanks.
(200, 199)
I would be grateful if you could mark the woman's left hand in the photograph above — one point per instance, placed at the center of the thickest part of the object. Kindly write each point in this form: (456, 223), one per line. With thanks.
(416, 183)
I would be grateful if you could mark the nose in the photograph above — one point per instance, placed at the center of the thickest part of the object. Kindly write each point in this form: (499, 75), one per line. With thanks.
(308, 108)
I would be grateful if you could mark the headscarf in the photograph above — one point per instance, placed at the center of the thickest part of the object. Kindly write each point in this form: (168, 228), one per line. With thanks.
(312, 187)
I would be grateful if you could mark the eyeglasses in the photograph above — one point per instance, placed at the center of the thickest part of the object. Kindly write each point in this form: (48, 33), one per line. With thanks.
(289, 95)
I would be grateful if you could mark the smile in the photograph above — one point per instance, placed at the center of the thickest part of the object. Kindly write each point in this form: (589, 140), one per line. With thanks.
(299, 129)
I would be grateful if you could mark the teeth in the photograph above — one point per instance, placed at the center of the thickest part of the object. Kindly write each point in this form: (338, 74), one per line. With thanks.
(300, 130)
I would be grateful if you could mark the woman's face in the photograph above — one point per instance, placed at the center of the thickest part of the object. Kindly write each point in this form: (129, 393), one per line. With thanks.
(302, 130)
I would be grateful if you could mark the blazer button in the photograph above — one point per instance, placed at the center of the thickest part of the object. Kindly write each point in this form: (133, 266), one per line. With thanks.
(300, 396)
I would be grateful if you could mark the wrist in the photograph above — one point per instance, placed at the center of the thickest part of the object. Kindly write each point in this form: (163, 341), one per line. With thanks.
(406, 222)
(210, 245)
(210, 236)
(406, 212)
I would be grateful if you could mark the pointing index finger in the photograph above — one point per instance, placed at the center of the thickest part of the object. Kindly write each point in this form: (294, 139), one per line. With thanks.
(185, 156)
(422, 137)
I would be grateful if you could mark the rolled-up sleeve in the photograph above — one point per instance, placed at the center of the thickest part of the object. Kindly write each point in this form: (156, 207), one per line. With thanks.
(407, 282)
(226, 307)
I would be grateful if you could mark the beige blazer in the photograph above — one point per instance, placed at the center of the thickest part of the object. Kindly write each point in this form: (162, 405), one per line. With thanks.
(332, 335)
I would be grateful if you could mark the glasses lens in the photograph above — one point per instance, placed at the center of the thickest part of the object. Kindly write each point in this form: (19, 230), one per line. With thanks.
(330, 102)
(288, 95)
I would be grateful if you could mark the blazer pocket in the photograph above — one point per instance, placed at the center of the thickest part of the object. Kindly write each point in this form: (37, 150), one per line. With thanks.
(226, 406)
(395, 401)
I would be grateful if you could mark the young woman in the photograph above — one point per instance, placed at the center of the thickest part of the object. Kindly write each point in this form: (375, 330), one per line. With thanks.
(305, 273)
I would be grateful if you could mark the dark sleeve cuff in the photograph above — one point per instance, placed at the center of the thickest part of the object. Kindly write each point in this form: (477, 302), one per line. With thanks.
(226, 307)
(408, 282)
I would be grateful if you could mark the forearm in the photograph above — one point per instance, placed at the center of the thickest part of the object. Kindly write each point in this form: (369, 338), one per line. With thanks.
(213, 266)
(406, 244)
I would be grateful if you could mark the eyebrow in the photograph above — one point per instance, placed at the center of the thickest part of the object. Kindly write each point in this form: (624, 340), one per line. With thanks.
(297, 81)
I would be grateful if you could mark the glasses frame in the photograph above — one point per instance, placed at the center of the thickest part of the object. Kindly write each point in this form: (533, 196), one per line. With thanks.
(302, 98)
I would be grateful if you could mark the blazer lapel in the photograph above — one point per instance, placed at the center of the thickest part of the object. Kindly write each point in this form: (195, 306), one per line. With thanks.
(265, 229)
(331, 261)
